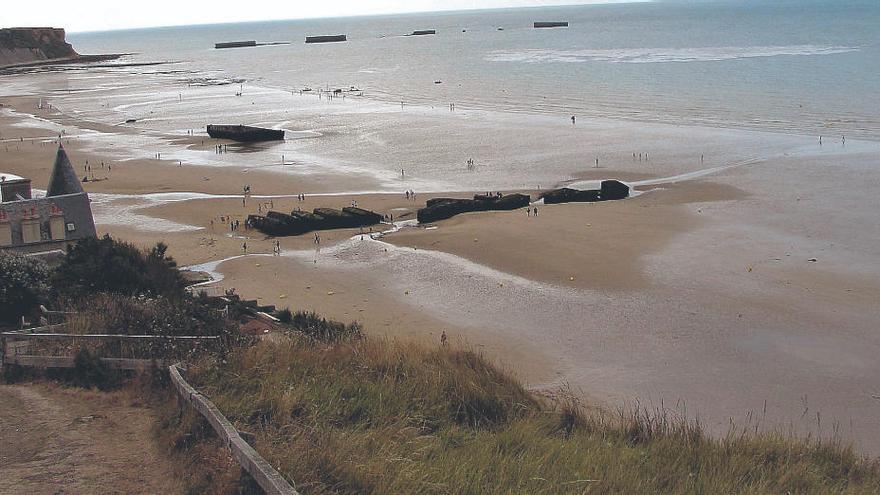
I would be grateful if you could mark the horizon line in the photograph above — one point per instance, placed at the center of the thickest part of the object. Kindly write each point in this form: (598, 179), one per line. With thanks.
(354, 16)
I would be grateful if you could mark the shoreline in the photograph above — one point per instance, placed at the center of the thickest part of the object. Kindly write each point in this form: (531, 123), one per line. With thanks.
(684, 292)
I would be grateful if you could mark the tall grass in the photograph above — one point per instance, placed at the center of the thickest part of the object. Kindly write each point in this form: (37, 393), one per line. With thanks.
(370, 416)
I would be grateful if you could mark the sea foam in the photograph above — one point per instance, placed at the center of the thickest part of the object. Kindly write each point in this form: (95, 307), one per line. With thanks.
(662, 55)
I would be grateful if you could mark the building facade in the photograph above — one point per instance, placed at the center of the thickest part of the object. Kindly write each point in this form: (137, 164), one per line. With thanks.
(33, 225)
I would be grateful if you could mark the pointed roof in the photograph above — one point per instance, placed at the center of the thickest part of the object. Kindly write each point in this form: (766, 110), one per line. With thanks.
(64, 179)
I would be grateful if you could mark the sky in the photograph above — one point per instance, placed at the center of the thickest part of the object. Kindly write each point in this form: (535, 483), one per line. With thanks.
(101, 15)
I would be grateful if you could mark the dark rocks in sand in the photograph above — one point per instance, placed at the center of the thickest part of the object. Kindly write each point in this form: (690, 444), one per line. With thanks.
(568, 195)
(442, 208)
(610, 190)
(614, 189)
(335, 219)
(364, 217)
(298, 222)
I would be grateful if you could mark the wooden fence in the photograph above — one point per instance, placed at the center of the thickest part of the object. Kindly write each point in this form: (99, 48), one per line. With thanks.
(52, 350)
(18, 348)
(260, 470)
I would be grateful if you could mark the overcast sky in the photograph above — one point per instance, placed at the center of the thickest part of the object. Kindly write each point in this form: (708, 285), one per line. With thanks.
(99, 15)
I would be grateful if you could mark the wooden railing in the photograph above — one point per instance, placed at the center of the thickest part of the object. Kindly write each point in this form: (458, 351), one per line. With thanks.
(270, 480)
(124, 352)
(18, 348)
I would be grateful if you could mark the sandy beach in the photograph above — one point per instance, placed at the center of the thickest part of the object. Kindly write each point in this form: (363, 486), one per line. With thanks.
(742, 282)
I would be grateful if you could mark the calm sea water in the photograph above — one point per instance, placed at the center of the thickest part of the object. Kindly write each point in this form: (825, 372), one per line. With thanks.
(810, 66)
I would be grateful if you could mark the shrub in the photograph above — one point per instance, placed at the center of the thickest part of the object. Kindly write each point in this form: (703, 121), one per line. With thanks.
(285, 316)
(107, 265)
(88, 372)
(323, 329)
(23, 286)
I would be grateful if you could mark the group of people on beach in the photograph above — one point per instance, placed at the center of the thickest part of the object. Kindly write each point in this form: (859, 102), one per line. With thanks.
(266, 205)
(410, 195)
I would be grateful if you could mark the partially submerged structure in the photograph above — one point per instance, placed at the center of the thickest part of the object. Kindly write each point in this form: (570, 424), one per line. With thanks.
(33, 225)
(336, 38)
(245, 133)
(609, 190)
(235, 44)
(551, 24)
(443, 208)
(299, 222)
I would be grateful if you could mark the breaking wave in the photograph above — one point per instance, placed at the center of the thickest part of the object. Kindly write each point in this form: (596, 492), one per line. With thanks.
(662, 55)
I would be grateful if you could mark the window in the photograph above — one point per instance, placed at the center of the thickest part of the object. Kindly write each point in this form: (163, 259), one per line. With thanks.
(5, 234)
(30, 231)
(71, 227)
(56, 228)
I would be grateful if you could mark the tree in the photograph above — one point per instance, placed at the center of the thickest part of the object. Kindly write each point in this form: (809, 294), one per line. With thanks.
(24, 285)
(105, 265)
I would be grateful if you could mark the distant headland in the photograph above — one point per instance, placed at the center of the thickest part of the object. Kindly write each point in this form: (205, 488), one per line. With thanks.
(25, 46)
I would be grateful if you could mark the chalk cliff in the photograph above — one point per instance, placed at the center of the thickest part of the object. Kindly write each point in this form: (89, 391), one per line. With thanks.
(20, 46)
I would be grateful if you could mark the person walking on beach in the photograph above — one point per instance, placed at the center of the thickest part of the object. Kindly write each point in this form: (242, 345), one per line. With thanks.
(536, 212)
(573, 120)
(528, 211)
(444, 341)
(244, 246)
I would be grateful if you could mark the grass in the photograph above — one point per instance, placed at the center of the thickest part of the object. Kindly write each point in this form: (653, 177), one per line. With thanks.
(201, 461)
(371, 416)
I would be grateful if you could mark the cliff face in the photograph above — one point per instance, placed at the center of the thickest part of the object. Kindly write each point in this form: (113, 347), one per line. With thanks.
(28, 45)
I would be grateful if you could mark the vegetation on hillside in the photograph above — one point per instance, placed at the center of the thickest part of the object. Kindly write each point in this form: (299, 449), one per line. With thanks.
(339, 413)
(108, 266)
(24, 285)
(370, 416)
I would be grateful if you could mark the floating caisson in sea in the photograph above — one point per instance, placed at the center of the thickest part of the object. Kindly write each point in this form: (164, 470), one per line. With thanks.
(326, 39)
(552, 24)
(244, 133)
(235, 44)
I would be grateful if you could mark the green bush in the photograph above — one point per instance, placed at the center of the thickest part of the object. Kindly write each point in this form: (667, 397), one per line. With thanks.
(23, 286)
(285, 316)
(105, 265)
(323, 329)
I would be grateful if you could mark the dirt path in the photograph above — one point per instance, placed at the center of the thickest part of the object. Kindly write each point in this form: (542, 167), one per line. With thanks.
(55, 440)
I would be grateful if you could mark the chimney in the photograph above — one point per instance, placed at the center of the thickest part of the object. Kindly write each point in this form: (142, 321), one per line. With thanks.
(14, 188)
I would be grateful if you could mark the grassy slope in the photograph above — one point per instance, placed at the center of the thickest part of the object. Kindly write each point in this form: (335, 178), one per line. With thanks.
(379, 417)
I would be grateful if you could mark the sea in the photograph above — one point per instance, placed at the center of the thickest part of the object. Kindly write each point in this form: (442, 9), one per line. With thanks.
(796, 66)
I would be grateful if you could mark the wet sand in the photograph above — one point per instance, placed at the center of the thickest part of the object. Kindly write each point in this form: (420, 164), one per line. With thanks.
(698, 293)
